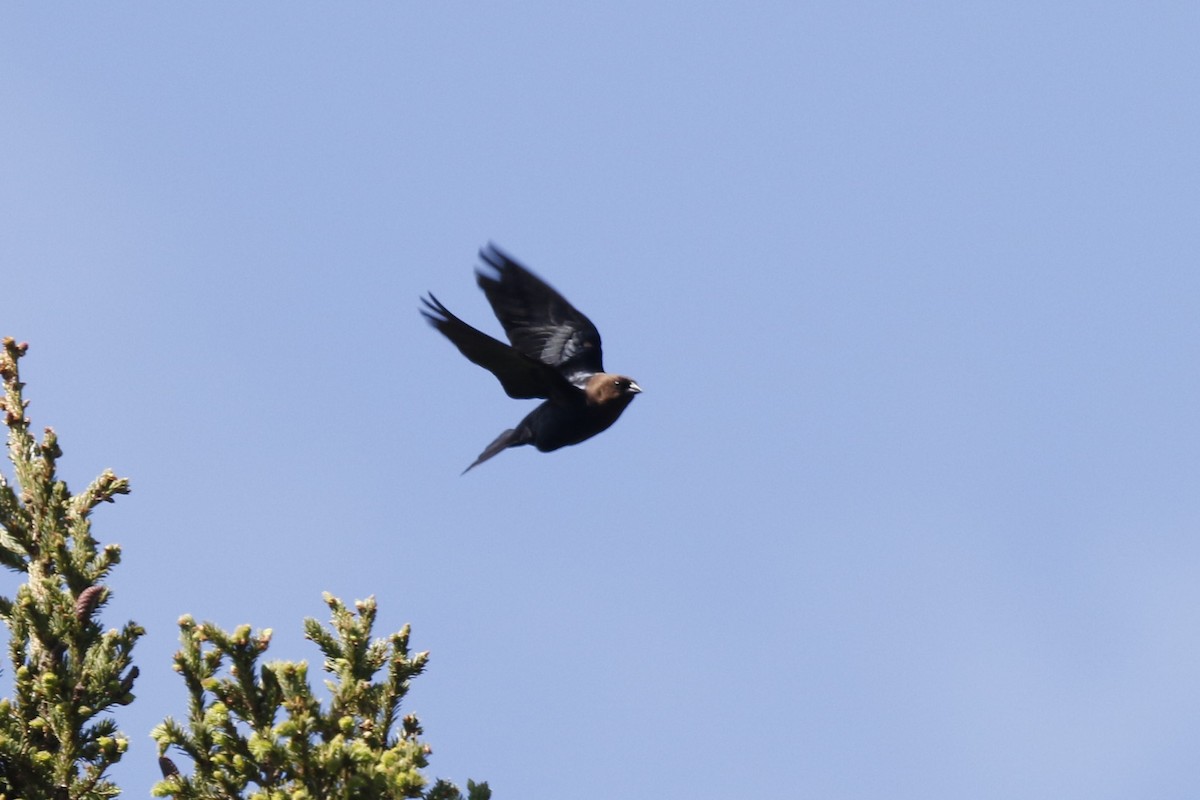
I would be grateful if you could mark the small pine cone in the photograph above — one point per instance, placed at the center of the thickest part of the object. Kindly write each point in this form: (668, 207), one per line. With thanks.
(86, 603)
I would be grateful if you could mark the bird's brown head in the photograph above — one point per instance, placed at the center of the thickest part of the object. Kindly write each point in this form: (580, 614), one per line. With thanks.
(604, 388)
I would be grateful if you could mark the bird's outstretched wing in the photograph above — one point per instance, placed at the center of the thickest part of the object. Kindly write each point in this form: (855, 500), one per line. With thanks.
(539, 321)
(520, 375)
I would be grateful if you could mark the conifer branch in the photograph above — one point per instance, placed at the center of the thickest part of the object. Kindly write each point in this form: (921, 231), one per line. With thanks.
(68, 673)
(257, 730)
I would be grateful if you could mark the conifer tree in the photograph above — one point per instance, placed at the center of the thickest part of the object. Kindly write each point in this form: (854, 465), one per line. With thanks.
(57, 738)
(254, 730)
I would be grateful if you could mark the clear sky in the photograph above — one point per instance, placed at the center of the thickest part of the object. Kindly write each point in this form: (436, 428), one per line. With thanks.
(909, 506)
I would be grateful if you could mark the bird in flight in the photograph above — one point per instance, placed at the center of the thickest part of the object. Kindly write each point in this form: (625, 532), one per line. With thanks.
(554, 354)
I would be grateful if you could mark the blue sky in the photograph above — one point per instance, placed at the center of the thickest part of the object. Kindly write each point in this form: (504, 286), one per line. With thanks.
(908, 508)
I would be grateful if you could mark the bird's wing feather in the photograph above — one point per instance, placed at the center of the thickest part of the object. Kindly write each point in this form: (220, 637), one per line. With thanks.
(521, 376)
(538, 320)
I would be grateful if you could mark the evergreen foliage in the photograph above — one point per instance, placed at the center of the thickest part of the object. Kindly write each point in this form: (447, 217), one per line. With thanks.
(254, 730)
(257, 730)
(56, 740)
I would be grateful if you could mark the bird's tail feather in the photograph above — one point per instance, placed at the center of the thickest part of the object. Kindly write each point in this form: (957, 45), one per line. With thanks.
(512, 437)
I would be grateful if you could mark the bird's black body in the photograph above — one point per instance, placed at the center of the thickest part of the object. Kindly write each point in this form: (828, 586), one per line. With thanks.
(555, 354)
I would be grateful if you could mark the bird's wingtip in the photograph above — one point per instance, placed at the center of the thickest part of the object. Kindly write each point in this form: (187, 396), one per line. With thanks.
(432, 309)
(494, 260)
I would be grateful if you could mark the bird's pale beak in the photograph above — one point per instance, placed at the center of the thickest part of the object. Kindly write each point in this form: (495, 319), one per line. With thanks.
(634, 388)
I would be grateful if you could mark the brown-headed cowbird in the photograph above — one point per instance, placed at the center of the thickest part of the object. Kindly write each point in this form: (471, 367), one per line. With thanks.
(555, 354)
